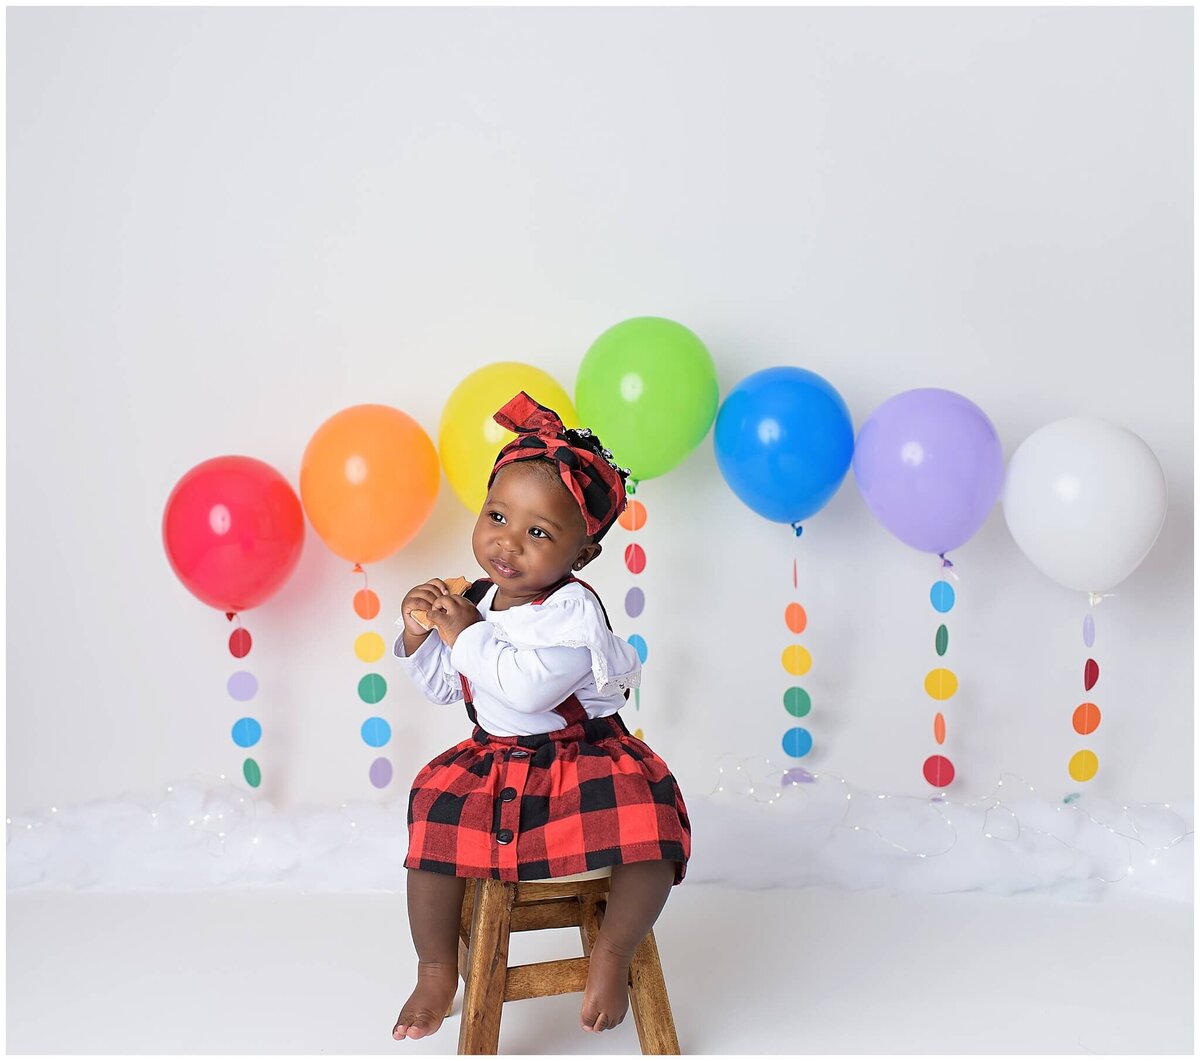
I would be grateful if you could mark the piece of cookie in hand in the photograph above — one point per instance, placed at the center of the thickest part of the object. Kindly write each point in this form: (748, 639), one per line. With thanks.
(458, 586)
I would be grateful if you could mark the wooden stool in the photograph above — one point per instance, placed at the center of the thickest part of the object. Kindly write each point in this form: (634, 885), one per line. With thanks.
(492, 909)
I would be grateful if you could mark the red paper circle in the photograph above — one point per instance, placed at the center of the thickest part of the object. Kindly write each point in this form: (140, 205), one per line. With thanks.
(1091, 674)
(239, 642)
(635, 558)
(939, 771)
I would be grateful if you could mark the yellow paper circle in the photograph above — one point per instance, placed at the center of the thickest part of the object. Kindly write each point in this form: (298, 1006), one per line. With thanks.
(796, 659)
(368, 647)
(941, 683)
(1083, 765)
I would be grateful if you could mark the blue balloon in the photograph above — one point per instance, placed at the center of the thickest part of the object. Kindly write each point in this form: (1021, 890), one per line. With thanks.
(784, 441)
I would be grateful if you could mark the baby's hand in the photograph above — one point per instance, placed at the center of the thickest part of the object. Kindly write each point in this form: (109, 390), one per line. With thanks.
(421, 597)
(451, 615)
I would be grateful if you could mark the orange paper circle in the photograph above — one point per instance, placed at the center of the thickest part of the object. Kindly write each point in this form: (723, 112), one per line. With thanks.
(795, 618)
(1086, 718)
(634, 516)
(939, 728)
(366, 604)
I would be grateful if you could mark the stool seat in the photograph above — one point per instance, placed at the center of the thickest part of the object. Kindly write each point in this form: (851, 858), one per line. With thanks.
(493, 909)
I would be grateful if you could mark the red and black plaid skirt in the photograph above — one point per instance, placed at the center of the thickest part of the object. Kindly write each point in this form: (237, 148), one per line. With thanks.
(547, 805)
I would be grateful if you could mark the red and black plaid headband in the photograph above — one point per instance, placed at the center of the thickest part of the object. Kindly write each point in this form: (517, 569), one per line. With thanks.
(592, 478)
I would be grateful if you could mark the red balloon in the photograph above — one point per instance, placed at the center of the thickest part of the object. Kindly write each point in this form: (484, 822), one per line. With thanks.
(233, 529)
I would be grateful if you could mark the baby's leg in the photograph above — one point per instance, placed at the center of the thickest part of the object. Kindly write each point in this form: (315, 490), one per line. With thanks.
(635, 899)
(434, 902)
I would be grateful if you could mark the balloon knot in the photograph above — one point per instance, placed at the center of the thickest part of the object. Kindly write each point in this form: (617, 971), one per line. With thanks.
(230, 615)
(797, 528)
(1096, 598)
(358, 569)
(631, 487)
(947, 565)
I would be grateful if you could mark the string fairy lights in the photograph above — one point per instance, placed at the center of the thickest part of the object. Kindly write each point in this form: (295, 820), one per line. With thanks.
(769, 787)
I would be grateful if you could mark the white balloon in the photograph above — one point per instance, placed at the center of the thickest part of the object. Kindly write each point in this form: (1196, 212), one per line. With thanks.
(1085, 499)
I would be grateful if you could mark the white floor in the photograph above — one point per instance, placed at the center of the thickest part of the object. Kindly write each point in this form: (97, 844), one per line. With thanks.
(813, 971)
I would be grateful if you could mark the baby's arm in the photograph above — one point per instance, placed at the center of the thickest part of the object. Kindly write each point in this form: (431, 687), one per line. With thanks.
(527, 679)
(423, 654)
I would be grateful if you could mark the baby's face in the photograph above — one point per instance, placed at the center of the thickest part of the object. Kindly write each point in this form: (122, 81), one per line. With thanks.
(530, 532)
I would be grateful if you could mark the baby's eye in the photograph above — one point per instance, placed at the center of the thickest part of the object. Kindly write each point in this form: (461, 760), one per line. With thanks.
(537, 531)
(496, 517)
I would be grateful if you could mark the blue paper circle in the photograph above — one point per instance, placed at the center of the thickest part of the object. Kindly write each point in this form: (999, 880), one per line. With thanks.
(639, 643)
(941, 596)
(376, 732)
(797, 742)
(246, 732)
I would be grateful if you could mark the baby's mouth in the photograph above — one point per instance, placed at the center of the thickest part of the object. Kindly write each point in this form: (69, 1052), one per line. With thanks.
(502, 568)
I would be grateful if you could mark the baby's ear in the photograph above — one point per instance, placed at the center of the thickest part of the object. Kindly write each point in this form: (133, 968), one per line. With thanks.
(587, 554)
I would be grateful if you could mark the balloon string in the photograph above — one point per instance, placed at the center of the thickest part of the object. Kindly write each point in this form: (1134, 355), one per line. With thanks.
(948, 566)
(359, 569)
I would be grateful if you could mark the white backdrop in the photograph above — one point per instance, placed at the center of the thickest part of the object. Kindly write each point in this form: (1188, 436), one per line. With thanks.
(225, 225)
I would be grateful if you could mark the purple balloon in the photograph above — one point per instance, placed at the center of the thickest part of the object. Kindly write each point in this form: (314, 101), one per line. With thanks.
(930, 467)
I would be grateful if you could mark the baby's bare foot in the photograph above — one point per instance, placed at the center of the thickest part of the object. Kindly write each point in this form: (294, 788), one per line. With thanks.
(606, 994)
(426, 1007)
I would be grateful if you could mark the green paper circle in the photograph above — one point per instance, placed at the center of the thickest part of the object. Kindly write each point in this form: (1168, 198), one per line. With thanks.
(942, 641)
(372, 688)
(252, 773)
(797, 701)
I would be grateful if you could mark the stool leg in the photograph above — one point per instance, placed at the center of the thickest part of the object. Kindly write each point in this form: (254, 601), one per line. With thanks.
(487, 967)
(651, 1007)
(590, 908)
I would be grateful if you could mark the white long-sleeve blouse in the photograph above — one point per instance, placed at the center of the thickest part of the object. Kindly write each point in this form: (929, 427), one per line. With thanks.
(524, 661)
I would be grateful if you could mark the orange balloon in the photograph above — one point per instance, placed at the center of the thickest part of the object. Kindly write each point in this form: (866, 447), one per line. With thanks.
(368, 480)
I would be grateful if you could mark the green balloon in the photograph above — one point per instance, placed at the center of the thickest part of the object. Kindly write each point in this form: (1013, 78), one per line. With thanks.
(648, 388)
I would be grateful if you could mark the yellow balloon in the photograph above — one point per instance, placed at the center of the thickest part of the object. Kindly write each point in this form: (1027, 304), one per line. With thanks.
(468, 437)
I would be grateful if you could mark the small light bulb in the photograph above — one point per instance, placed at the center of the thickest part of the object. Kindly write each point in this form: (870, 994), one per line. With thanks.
(170, 789)
(1154, 862)
(53, 810)
(221, 835)
(256, 839)
(222, 777)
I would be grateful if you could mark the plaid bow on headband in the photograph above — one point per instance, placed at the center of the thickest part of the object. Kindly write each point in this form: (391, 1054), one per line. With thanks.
(593, 480)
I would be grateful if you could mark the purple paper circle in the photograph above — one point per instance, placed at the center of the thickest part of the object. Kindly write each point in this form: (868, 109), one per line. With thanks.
(1089, 631)
(242, 685)
(381, 773)
(635, 601)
